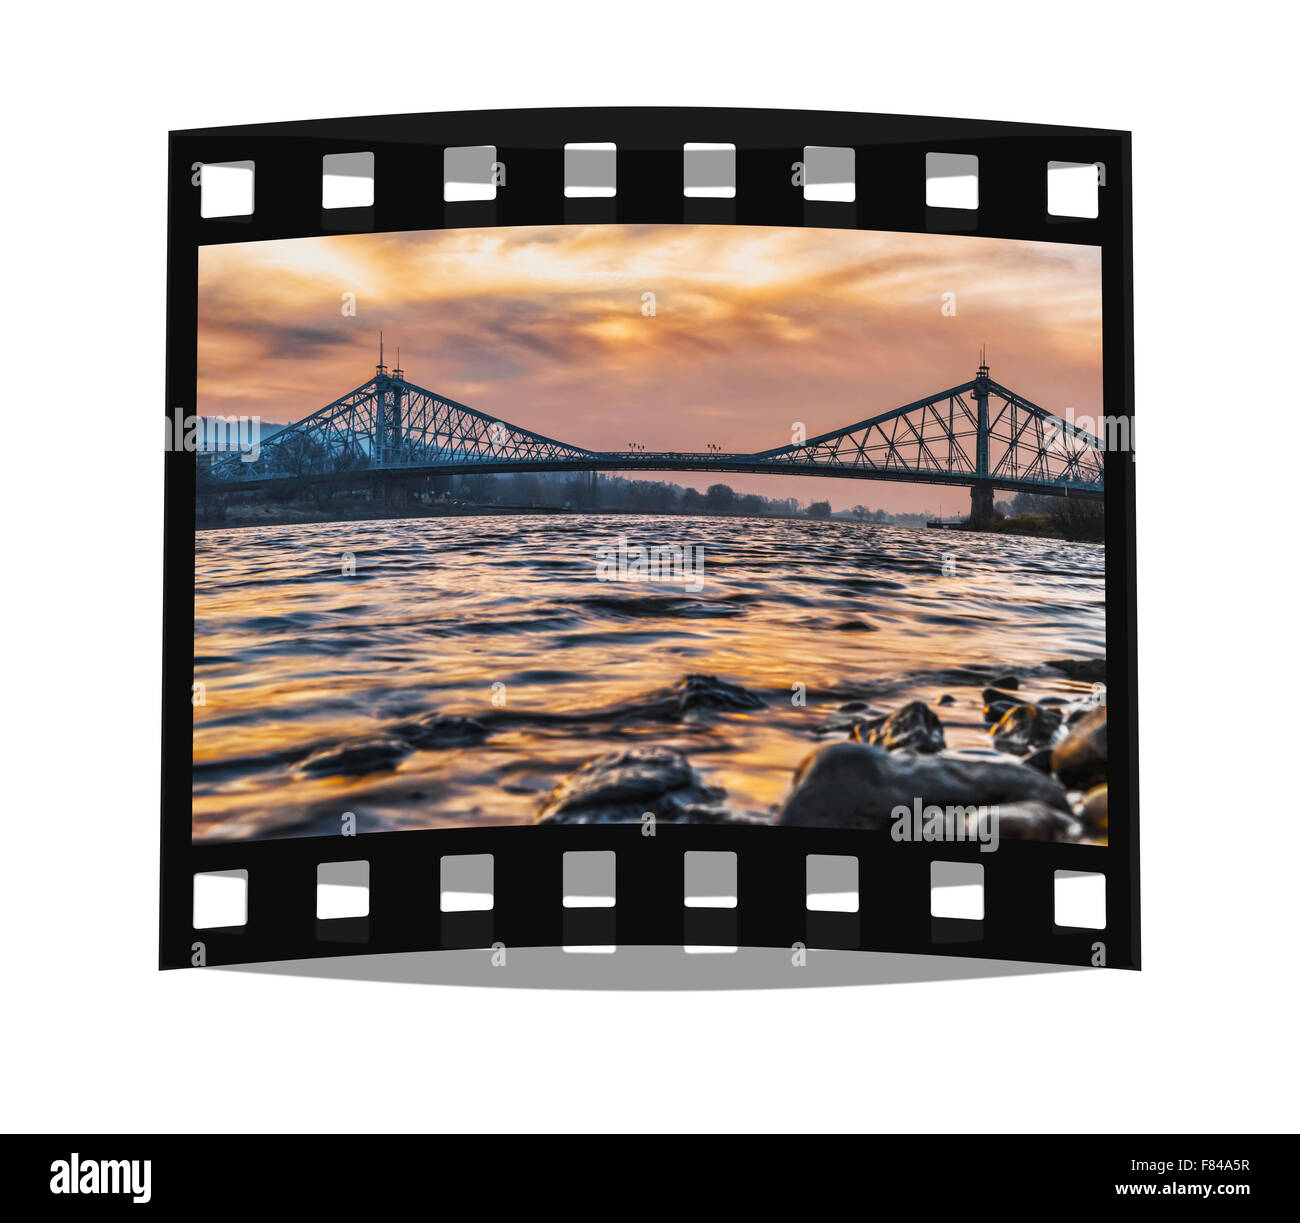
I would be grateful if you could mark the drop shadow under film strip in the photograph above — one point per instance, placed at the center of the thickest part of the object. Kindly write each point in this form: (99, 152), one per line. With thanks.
(894, 894)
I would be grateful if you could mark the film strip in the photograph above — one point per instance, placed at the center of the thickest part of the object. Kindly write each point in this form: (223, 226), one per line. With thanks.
(711, 882)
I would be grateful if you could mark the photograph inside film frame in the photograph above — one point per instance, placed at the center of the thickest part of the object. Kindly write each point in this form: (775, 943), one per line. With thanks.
(601, 524)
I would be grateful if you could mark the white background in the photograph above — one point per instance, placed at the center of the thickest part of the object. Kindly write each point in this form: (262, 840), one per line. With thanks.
(95, 1037)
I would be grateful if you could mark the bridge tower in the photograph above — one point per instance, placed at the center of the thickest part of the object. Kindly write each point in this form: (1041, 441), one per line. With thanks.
(981, 492)
(387, 446)
(381, 405)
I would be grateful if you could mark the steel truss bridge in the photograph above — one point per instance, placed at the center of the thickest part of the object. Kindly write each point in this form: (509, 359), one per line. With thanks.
(980, 435)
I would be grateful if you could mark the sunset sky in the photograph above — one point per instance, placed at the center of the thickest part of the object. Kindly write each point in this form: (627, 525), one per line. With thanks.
(754, 329)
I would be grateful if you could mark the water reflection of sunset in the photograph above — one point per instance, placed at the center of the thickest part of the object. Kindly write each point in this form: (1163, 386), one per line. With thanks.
(297, 659)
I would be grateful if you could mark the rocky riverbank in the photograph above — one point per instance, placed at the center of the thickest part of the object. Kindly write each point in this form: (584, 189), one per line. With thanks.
(1044, 769)
(1045, 774)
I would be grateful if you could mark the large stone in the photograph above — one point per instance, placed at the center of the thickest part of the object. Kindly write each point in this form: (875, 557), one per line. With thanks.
(691, 813)
(915, 726)
(858, 785)
(1037, 822)
(1093, 812)
(1025, 727)
(1079, 760)
(620, 787)
(1040, 760)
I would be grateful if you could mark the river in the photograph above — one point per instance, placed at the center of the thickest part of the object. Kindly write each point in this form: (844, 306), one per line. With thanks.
(312, 638)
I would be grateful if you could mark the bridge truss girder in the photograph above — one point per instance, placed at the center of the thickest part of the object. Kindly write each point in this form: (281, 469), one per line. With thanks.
(391, 425)
(936, 440)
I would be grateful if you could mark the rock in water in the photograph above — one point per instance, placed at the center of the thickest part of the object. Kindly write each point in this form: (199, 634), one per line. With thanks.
(620, 787)
(699, 692)
(994, 696)
(947, 699)
(857, 785)
(914, 726)
(1025, 727)
(1080, 759)
(1087, 670)
(439, 731)
(1093, 812)
(1040, 760)
(1006, 681)
(356, 759)
(998, 710)
(1037, 822)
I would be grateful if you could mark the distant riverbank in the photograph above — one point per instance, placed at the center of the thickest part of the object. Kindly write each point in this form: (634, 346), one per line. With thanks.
(1081, 528)
(273, 515)
(1088, 530)
(276, 515)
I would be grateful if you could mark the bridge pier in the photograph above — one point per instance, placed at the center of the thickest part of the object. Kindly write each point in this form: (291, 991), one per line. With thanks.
(981, 504)
(392, 491)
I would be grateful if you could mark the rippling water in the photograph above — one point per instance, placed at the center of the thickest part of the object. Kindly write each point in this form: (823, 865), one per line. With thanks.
(299, 659)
